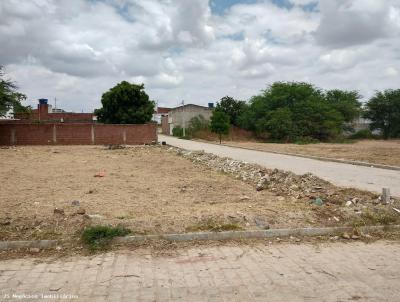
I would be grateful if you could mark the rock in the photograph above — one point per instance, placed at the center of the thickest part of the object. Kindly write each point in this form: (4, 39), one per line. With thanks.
(261, 223)
(336, 219)
(355, 237)
(244, 198)
(75, 203)
(318, 201)
(259, 187)
(59, 211)
(95, 216)
(100, 174)
(81, 211)
(349, 203)
(334, 238)
(34, 250)
(346, 236)
(5, 222)
(58, 248)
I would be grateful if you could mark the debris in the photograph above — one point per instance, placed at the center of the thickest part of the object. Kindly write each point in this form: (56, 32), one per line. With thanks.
(259, 187)
(34, 250)
(318, 201)
(355, 237)
(244, 198)
(349, 203)
(397, 210)
(334, 238)
(75, 203)
(261, 223)
(346, 236)
(95, 216)
(59, 211)
(54, 289)
(100, 174)
(58, 248)
(81, 211)
(336, 219)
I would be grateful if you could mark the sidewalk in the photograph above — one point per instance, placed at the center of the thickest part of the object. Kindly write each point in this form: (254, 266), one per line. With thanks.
(278, 272)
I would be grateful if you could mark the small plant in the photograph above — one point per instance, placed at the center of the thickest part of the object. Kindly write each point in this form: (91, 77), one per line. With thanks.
(99, 237)
(375, 218)
(363, 134)
(214, 226)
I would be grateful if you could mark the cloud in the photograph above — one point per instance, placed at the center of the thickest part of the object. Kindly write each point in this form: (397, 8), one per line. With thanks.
(196, 50)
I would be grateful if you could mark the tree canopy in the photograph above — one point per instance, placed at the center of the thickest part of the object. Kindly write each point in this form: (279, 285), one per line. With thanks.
(383, 109)
(232, 108)
(294, 111)
(10, 98)
(125, 103)
(219, 123)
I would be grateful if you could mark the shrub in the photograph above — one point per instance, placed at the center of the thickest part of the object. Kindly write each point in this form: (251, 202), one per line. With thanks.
(362, 134)
(99, 237)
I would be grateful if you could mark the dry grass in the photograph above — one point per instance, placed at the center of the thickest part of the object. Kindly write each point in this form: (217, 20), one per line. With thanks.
(145, 189)
(372, 151)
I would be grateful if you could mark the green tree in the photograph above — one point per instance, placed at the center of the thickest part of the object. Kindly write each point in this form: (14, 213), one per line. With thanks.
(220, 123)
(232, 108)
(292, 111)
(346, 102)
(125, 103)
(383, 109)
(10, 98)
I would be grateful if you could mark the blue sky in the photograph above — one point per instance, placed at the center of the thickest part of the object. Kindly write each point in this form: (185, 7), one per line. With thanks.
(196, 50)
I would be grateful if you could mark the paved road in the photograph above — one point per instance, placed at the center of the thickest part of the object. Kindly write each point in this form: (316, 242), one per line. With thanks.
(346, 175)
(262, 272)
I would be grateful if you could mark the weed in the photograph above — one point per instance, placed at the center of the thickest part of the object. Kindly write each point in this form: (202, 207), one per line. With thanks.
(99, 237)
(375, 218)
(213, 226)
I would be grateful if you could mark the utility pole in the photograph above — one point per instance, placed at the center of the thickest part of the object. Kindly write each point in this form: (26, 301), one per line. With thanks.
(183, 118)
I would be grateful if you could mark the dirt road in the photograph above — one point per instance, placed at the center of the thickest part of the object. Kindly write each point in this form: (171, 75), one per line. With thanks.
(259, 272)
(346, 175)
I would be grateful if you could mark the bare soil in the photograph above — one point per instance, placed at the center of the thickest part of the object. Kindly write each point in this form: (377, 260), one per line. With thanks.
(371, 151)
(46, 189)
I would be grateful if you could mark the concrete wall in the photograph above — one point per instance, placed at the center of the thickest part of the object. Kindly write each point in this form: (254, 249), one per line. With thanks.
(181, 116)
(76, 134)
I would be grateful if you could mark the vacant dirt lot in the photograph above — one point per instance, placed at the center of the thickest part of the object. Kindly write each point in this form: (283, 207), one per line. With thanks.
(53, 192)
(372, 151)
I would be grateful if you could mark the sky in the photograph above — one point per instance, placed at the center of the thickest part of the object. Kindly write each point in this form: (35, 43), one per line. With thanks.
(196, 50)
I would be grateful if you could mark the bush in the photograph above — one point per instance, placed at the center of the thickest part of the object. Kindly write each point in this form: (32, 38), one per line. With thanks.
(362, 134)
(99, 237)
(177, 131)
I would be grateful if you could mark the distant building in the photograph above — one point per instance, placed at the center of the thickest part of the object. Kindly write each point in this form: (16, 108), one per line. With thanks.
(180, 116)
(159, 113)
(46, 113)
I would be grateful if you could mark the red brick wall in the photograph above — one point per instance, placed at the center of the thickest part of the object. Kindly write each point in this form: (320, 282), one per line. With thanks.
(76, 134)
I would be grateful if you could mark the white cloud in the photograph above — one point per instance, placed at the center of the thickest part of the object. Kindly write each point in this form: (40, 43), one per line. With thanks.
(75, 50)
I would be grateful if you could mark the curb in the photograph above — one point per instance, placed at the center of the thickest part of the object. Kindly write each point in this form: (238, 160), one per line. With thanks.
(253, 234)
(304, 232)
(14, 245)
(336, 160)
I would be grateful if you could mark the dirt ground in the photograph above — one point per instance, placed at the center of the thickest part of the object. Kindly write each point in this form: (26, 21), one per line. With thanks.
(52, 192)
(372, 151)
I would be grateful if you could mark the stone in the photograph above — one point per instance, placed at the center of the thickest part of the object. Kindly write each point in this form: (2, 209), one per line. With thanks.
(346, 236)
(58, 248)
(349, 203)
(318, 201)
(34, 250)
(355, 237)
(75, 203)
(259, 187)
(81, 211)
(244, 198)
(261, 223)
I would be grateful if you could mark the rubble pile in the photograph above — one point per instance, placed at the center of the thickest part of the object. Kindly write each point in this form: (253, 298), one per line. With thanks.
(282, 183)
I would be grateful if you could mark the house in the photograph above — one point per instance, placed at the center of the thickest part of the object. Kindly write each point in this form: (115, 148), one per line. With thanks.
(180, 116)
(159, 113)
(46, 113)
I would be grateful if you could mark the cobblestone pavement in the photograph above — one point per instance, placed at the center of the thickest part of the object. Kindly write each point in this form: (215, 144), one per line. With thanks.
(260, 272)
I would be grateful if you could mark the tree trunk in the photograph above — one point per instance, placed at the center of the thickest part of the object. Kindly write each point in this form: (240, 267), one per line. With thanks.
(220, 138)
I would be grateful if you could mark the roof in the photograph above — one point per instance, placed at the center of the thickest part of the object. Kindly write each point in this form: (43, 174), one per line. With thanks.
(163, 110)
(191, 105)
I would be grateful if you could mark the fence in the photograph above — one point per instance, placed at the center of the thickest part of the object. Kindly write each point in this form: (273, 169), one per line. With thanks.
(76, 134)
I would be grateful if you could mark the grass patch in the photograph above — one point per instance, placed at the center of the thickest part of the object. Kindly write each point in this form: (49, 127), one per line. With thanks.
(99, 237)
(375, 218)
(213, 226)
